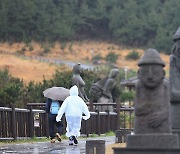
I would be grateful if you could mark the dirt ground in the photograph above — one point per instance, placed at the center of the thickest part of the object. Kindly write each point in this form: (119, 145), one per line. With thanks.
(29, 70)
(109, 149)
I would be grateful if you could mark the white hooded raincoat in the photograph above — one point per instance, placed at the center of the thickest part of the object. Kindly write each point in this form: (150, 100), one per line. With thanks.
(73, 107)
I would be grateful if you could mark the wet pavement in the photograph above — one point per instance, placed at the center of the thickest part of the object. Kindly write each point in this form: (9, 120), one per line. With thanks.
(51, 148)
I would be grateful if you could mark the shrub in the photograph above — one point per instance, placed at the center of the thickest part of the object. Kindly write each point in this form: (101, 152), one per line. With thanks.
(134, 55)
(22, 51)
(31, 48)
(11, 89)
(63, 45)
(111, 57)
(127, 96)
(70, 47)
(96, 59)
(111, 48)
(46, 50)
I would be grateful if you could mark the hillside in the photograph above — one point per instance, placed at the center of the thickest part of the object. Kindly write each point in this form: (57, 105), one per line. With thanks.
(77, 52)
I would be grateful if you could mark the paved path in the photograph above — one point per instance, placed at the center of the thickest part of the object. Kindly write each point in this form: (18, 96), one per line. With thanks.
(52, 60)
(49, 148)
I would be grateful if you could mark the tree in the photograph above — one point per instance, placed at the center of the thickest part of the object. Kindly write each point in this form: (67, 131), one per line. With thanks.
(11, 89)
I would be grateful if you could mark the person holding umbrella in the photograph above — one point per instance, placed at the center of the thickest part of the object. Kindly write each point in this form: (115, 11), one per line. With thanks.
(55, 97)
(52, 120)
(74, 107)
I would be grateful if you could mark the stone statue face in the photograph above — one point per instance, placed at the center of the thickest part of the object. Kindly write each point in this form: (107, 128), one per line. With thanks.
(151, 75)
(77, 69)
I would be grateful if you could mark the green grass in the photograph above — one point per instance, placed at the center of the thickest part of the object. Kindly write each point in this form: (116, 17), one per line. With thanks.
(35, 139)
(110, 133)
(45, 139)
(93, 135)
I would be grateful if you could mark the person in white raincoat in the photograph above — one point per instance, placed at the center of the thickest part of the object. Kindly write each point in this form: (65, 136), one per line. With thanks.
(73, 107)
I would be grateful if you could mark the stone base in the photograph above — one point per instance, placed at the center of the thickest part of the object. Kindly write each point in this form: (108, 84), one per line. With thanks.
(177, 131)
(153, 141)
(175, 115)
(146, 151)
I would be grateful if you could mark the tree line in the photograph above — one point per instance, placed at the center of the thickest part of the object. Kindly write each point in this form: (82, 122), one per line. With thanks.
(134, 23)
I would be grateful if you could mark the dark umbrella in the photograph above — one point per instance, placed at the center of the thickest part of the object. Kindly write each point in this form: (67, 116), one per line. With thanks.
(56, 93)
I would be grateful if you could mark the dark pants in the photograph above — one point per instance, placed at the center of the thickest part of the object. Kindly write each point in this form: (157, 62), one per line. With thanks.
(52, 123)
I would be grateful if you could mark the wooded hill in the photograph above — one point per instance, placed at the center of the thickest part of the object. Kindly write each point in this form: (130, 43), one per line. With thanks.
(134, 23)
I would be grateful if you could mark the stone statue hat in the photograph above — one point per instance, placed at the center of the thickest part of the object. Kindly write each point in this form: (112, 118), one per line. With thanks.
(176, 36)
(151, 56)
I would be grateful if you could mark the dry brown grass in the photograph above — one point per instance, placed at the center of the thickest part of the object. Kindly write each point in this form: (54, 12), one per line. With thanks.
(77, 52)
(27, 69)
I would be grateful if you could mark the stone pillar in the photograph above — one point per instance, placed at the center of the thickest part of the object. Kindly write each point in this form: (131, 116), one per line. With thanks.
(95, 147)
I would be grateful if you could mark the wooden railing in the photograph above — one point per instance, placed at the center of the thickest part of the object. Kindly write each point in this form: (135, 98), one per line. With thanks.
(18, 123)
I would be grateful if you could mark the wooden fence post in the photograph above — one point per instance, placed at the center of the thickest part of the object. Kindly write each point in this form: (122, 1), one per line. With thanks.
(91, 105)
(118, 113)
(47, 125)
(87, 122)
(31, 117)
(98, 123)
(14, 129)
(108, 121)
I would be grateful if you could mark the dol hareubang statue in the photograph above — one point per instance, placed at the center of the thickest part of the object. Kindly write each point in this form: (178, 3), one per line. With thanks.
(152, 126)
(175, 69)
(79, 82)
(174, 77)
(152, 101)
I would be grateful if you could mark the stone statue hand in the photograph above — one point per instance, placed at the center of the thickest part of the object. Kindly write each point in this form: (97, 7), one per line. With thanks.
(154, 120)
(143, 109)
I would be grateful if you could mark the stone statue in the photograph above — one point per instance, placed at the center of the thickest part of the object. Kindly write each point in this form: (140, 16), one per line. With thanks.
(102, 90)
(152, 122)
(175, 81)
(175, 69)
(152, 101)
(79, 82)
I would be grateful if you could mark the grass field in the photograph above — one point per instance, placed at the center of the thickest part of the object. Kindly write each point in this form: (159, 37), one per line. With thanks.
(29, 70)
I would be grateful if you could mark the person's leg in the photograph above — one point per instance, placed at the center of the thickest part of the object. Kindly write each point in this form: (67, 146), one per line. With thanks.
(59, 126)
(51, 128)
(69, 130)
(73, 129)
(76, 129)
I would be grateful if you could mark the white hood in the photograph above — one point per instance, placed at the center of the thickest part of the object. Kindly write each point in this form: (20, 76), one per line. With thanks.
(73, 91)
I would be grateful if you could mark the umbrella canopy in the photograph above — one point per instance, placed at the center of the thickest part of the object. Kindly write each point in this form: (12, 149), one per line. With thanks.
(56, 93)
